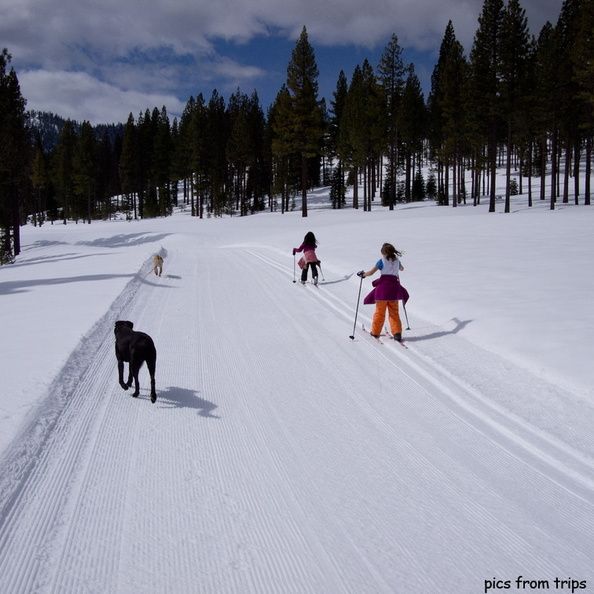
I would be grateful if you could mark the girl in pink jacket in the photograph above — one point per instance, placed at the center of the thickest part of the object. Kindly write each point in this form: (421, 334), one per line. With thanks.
(308, 247)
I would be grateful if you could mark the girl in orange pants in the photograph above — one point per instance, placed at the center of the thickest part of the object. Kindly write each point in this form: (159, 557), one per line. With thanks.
(393, 316)
(387, 291)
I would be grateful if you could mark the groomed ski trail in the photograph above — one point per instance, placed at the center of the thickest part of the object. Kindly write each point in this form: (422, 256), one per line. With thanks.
(402, 471)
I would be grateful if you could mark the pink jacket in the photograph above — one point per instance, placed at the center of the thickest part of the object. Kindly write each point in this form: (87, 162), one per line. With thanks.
(309, 252)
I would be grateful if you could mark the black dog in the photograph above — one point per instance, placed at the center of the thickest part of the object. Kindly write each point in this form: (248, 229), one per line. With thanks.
(134, 348)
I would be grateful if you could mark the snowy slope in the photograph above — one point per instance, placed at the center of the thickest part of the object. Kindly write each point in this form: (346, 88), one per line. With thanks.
(281, 456)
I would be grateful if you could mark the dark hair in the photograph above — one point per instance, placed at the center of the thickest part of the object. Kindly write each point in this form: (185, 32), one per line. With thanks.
(310, 239)
(390, 252)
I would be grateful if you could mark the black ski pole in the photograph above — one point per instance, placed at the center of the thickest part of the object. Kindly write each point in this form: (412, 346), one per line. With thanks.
(294, 268)
(352, 337)
(405, 315)
(320, 265)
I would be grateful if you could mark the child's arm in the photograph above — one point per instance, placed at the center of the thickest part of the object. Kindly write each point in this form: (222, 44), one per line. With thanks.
(370, 272)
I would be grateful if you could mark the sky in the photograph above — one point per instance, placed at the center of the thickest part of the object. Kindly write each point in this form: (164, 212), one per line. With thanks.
(100, 61)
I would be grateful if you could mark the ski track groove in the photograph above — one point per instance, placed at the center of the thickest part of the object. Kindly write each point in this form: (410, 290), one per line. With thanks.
(285, 568)
(480, 411)
(248, 503)
(41, 492)
(374, 577)
(45, 489)
(410, 555)
(550, 456)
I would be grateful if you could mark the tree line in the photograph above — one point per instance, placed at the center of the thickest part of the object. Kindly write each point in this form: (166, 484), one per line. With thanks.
(519, 102)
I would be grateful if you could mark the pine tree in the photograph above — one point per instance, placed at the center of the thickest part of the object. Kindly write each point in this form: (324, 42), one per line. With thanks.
(453, 100)
(197, 132)
(583, 66)
(285, 157)
(147, 129)
(583, 50)
(239, 149)
(391, 78)
(572, 20)
(418, 189)
(259, 172)
(216, 136)
(85, 173)
(181, 153)
(362, 131)
(413, 126)
(352, 141)
(63, 170)
(308, 122)
(431, 187)
(337, 109)
(14, 157)
(40, 182)
(547, 104)
(485, 90)
(162, 163)
(108, 181)
(515, 55)
(375, 136)
(129, 166)
(436, 100)
(143, 150)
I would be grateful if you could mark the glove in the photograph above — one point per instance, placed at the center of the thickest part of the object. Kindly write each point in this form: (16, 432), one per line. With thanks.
(293, 252)
(361, 273)
(318, 262)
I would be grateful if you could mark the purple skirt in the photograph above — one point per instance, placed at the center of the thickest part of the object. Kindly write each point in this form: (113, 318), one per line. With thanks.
(386, 288)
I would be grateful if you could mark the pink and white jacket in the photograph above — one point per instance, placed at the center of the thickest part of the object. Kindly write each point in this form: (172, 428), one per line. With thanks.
(309, 252)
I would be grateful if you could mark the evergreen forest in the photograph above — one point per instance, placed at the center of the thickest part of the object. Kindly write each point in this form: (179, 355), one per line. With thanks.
(517, 103)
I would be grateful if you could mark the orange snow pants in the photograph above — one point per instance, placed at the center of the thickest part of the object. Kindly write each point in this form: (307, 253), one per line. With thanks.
(380, 316)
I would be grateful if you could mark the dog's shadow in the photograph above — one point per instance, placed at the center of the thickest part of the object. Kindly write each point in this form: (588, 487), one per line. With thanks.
(184, 398)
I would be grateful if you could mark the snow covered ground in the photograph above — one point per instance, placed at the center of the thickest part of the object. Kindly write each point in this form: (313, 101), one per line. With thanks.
(281, 456)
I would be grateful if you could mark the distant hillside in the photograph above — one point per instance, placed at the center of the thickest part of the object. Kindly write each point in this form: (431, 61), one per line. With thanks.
(48, 127)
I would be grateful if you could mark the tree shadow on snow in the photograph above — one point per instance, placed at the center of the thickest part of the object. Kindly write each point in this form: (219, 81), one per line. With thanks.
(184, 398)
(27, 285)
(53, 258)
(459, 325)
(125, 239)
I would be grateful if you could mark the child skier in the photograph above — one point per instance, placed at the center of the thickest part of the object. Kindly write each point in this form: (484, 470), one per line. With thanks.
(310, 260)
(387, 291)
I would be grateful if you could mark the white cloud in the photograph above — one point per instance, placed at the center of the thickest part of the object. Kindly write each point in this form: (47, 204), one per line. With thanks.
(78, 96)
(61, 31)
(138, 54)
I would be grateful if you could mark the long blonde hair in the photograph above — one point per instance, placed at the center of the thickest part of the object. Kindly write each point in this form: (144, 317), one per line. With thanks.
(390, 252)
